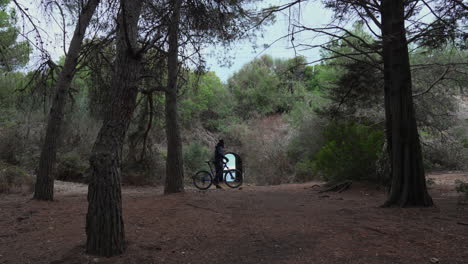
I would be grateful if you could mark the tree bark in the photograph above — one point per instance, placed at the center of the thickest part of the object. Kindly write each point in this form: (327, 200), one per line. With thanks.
(44, 188)
(174, 163)
(104, 220)
(408, 184)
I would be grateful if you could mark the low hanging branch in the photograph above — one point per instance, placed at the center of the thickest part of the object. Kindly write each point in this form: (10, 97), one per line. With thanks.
(441, 77)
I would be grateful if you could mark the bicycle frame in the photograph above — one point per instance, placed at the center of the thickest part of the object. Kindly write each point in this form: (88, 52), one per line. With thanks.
(213, 172)
(234, 180)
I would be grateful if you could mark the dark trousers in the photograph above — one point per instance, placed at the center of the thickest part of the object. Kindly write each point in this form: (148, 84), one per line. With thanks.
(219, 171)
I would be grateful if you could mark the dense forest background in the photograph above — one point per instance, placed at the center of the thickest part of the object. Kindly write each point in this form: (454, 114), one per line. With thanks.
(132, 102)
(289, 121)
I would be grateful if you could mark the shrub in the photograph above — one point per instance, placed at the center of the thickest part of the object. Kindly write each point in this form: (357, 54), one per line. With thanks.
(304, 145)
(305, 171)
(462, 187)
(443, 155)
(261, 143)
(147, 171)
(195, 155)
(350, 153)
(137, 177)
(308, 139)
(14, 179)
(267, 162)
(235, 134)
(11, 145)
(70, 167)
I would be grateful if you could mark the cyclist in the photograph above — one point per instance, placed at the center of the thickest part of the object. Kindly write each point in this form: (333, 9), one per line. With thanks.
(219, 158)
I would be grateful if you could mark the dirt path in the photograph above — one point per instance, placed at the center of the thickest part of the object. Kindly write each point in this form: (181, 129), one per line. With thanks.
(280, 224)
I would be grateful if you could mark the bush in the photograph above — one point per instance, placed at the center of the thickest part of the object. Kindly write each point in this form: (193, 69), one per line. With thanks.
(147, 171)
(261, 143)
(465, 142)
(305, 144)
(443, 155)
(350, 153)
(308, 139)
(305, 171)
(70, 167)
(195, 155)
(13, 179)
(11, 145)
(137, 177)
(462, 187)
(235, 134)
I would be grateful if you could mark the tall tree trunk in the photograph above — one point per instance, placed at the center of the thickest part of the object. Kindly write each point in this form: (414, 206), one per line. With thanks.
(408, 184)
(104, 221)
(44, 188)
(174, 164)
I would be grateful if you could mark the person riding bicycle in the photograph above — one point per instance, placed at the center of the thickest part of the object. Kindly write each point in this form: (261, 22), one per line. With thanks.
(219, 158)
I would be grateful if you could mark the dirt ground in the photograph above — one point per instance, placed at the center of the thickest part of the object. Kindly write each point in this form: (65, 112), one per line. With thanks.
(280, 224)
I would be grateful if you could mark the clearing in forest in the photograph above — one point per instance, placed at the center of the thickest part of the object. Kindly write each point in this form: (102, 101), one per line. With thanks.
(277, 224)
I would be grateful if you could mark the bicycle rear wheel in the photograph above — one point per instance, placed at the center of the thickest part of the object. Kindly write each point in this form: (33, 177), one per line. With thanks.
(202, 180)
(233, 178)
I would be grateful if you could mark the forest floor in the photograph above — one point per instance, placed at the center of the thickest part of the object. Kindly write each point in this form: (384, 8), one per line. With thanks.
(291, 223)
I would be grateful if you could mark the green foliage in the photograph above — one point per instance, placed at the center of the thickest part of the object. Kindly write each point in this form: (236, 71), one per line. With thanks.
(434, 105)
(305, 170)
(310, 76)
(267, 112)
(13, 54)
(11, 147)
(267, 86)
(306, 142)
(350, 152)
(195, 155)
(443, 155)
(71, 167)
(465, 142)
(355, 92)
(461, 187)
(9, 85)
(235, 133)
(308, 137)
(206, 100)
(353, 84)
(13, 178)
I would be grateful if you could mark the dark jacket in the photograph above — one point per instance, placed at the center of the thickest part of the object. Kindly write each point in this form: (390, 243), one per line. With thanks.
(219, 154)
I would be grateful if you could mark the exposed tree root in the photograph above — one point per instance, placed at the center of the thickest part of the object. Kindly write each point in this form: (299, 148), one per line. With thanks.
(339, 187)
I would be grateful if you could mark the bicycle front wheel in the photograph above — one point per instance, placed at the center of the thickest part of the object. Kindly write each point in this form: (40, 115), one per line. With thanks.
(202, 180)
(233, 178)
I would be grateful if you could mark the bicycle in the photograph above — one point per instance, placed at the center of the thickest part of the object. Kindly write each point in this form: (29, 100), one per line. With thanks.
(204, 179)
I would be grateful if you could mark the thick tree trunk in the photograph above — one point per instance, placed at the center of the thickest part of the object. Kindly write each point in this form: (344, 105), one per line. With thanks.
(408, 185)
(104, 221)
(44, 188)
(174, 164)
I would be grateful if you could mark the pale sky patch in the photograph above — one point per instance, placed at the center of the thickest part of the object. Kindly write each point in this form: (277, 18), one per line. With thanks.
(312, 14)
